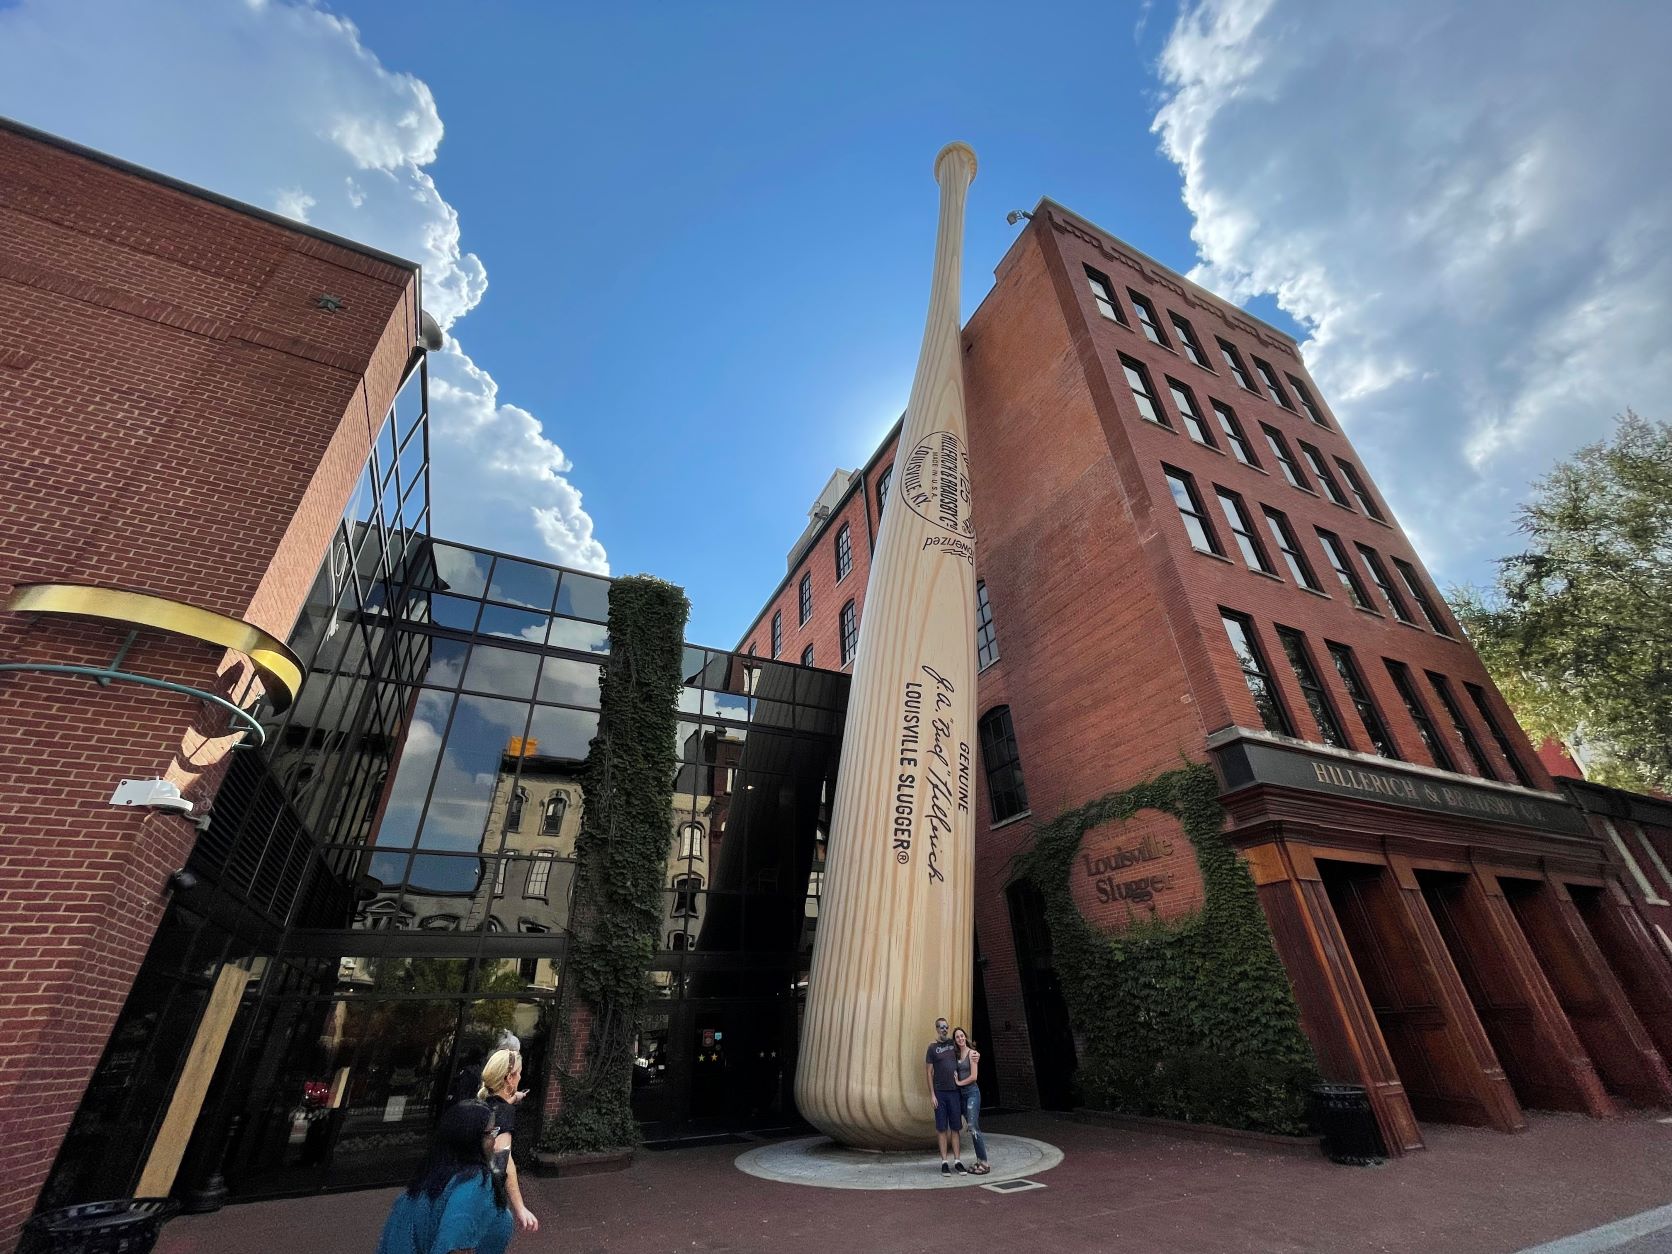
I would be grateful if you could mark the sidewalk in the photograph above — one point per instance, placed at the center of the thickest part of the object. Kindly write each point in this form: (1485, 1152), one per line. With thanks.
(1471, 1190)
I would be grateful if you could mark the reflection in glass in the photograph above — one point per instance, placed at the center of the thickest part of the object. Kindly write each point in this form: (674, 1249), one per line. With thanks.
(565, 734)
(522, 583)
(584, 596)
(567, 633)
(416, 767)
(471, 764)
(460, 570)
(507, 672)
(569, 682)
(454, 612)
(446, 661)
(525, 625)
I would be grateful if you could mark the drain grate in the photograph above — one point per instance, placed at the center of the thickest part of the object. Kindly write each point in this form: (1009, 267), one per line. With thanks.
(1013, 1186)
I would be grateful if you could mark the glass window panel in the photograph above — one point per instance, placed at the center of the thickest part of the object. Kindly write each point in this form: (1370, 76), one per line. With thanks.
(690, 701)
(472, 771)
(570, 633)
(454, 612)
(562, 733)
(523, 583)
(386, 457)
(419, 754)
(500, 620)
(463, 571)
(446, 660)
(584, 596)
(412, 463)
(504, 672)
(570, 682)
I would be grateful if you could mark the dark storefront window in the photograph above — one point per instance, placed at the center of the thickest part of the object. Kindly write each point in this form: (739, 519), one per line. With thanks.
(1007, 795)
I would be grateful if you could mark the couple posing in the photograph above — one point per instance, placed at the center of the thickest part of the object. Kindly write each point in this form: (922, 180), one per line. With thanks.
(952, 1065)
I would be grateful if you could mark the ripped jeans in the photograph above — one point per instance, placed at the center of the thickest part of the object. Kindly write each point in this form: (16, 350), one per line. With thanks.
(971, 1095)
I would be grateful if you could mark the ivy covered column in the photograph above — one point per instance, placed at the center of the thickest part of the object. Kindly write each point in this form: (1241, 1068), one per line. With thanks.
(621, 855)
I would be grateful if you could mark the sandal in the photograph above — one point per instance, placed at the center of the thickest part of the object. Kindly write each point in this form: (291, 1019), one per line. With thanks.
(980, 1169)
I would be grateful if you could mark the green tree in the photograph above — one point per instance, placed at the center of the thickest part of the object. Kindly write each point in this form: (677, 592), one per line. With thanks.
(1576, 630)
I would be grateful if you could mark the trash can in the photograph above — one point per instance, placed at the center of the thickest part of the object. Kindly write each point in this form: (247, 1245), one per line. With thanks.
(128, 1226)
(1342, 1115)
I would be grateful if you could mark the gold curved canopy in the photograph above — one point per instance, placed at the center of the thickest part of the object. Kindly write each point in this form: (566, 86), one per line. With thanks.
(278, 667)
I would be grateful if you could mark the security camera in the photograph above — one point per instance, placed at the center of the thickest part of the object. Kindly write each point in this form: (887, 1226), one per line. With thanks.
(182, 881)
(154, 794)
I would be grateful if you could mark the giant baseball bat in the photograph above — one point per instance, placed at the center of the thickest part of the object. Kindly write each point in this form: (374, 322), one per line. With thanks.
(893, 948)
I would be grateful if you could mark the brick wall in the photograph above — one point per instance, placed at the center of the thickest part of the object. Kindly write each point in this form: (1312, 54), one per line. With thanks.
(178, 416)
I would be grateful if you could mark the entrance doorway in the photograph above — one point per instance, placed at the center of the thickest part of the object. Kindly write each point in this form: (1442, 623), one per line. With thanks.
(1632, 958)
(1050, 1034)
(1441, 1075)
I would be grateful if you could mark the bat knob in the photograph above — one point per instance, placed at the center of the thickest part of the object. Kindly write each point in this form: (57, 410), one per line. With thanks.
(959, 153)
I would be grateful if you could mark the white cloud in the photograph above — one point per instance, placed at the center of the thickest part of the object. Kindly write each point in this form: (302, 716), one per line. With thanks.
(279, 104)
(1468, 208)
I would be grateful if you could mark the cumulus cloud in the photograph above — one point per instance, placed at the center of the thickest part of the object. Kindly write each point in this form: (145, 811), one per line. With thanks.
(281, 105)
(1467, 208)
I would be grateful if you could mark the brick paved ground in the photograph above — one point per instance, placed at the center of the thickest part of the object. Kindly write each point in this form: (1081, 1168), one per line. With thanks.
(1472, 1190)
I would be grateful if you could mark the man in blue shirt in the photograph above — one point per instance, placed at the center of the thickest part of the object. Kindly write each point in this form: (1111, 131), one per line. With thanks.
(940, 1065)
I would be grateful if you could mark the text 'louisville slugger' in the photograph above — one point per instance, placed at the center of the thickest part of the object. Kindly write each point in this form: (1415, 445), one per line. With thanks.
(893, 949)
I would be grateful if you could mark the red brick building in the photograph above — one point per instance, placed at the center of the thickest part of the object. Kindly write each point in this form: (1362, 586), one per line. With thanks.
(1181, 556)
(189, 389)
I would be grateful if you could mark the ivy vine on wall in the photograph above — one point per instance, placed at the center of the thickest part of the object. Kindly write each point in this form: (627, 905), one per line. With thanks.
(1190, 1019)
(621, 856)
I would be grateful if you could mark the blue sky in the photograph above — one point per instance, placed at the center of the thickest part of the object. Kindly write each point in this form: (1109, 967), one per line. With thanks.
(682, 251)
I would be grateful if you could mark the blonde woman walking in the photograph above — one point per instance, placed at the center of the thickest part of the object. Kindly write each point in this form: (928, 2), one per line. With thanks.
(500, 1076)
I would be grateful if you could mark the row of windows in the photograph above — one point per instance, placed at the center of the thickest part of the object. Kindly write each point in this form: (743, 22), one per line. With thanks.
(1274, 714)
(1103, 295)
(1204, 537)
(1230, 426)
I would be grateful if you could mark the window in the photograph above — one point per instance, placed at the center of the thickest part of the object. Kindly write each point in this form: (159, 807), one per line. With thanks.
(679, 940)
(514, 810)
(1312, 687)
(1360, 492)
(499, 877)
(804, 597)
(1242, 527)
(986, 639)
(1374, 728)
(1307, 404)
(844, 553)
(691, 842)
(777, 632)
(1261, 687)
(1477, 694)
(1185, 401)
(1233, 434)
(551, 819)
(1196, 523)
(1379, 574)
(1187, 337)
(850, 632)
(1413, 582)
(1007, 795)
(685, 890)
(807, 656)
(1103, 292)
(751, 648)
(1274, 389)
(1146, 316)
(1337, 557)
(1280, 450)
(1287, 545)
(539, 873)
(1460, 725)
(882, 487)
(1407, 689)
(1143, 391)
(1234, 363)
(1320, 468)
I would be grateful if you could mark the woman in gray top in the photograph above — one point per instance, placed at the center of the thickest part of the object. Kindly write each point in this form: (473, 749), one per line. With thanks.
(969, 1071)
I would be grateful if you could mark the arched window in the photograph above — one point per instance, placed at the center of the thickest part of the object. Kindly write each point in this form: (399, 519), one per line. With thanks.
(805, 597)
(844, 553)
(679, 940)
(849, 622)
(539, 873)
(882, 488)
(691, 843)
(551, 822)
(685, 890)
(513, 812)
(1006, 793)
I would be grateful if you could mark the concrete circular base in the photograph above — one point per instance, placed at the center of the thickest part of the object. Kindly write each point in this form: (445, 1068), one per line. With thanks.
(820, 1162)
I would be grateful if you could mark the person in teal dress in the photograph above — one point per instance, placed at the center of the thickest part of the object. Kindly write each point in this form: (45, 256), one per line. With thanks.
(454, 1204)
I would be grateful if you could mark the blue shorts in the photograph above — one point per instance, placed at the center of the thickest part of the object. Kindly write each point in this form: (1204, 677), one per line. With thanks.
(949, 1110)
